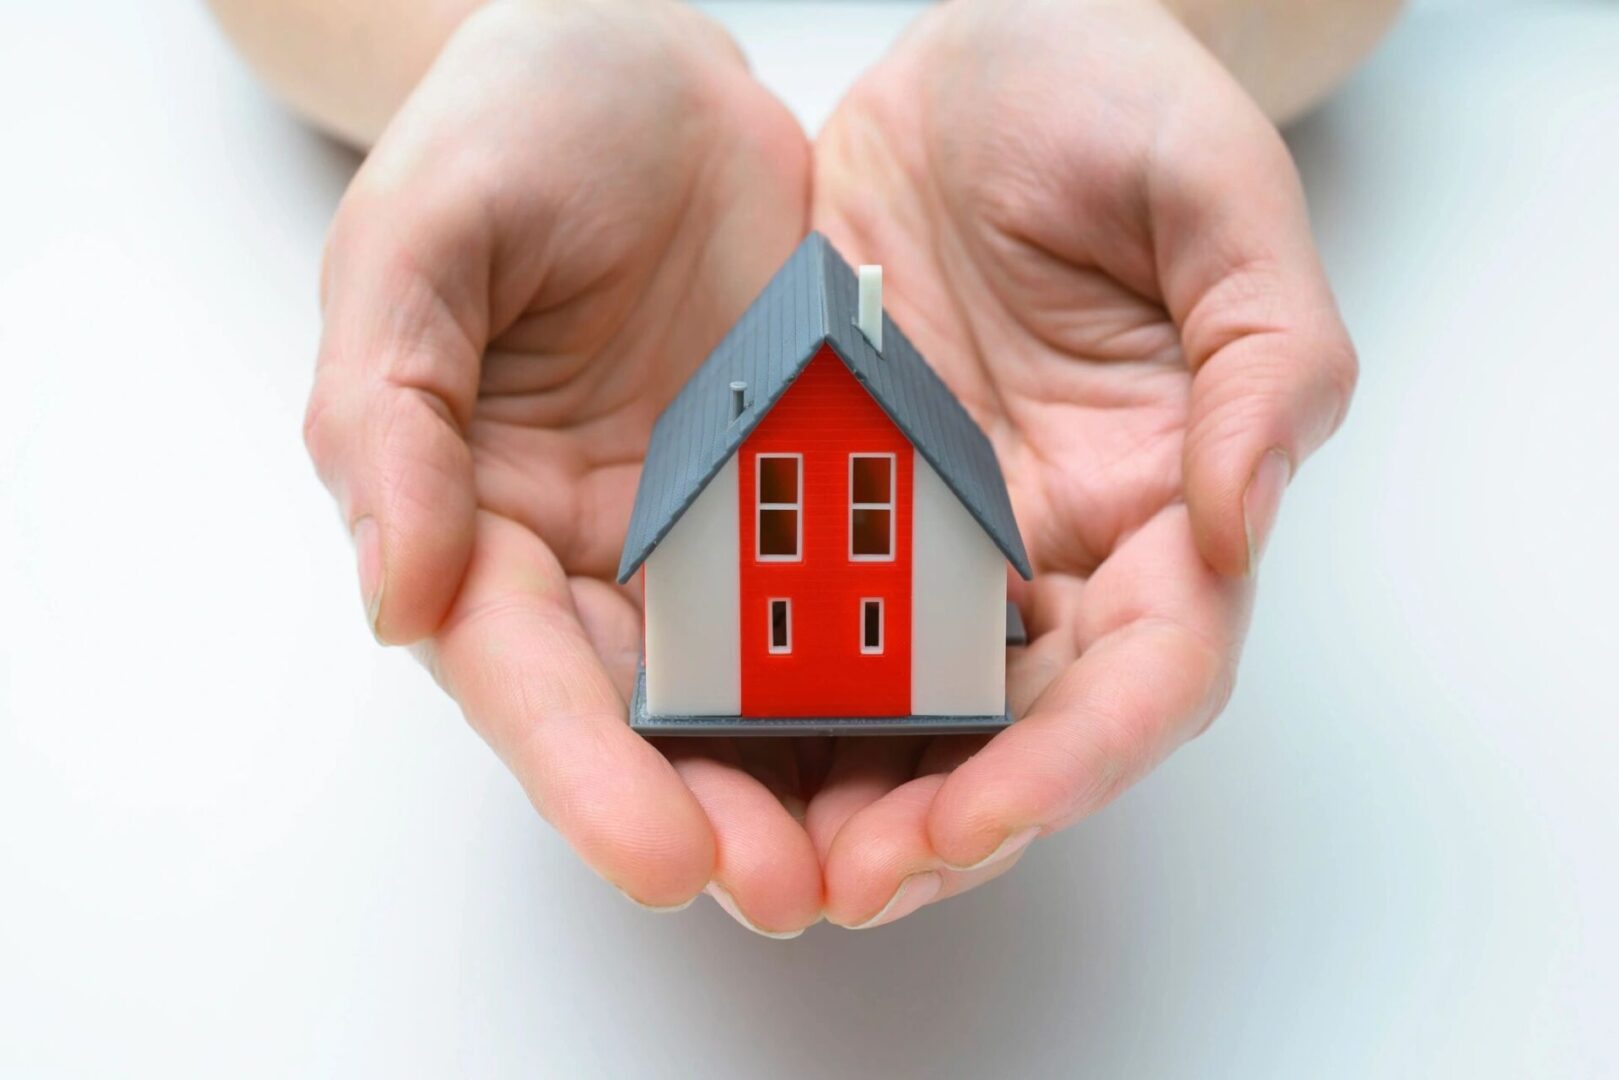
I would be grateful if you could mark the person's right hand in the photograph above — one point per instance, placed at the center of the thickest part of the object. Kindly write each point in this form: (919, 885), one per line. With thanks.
(1101, 244)
(564, 218)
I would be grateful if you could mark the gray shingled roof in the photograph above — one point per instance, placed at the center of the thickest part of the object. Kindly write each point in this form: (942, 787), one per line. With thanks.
(811, 302)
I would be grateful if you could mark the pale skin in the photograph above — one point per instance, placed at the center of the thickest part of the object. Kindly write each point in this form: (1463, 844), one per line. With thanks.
(1089, 227)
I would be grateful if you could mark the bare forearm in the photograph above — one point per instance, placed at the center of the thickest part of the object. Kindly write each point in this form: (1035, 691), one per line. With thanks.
(1289, 54)
(345, 65)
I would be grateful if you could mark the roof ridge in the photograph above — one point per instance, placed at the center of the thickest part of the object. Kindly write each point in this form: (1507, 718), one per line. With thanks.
(810, 303)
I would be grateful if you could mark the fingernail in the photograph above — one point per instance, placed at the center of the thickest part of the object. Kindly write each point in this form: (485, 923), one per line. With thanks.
(913, 892)
(668, 910)
(1262, 500)
(368, 553)
(1008, 848)
(727, 902)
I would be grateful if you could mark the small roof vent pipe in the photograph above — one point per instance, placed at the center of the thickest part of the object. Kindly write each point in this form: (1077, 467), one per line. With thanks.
(739, 399)
(870, 319)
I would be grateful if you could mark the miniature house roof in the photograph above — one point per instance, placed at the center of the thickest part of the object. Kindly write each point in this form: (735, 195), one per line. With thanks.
(811, 302)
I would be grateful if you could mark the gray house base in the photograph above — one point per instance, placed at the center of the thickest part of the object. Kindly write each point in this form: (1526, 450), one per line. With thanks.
(646, 724)
(803, 725)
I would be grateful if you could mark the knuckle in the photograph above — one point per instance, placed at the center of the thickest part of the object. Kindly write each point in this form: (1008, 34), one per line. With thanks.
(319, 438)
(1232, 417)
(1075, 775)
(1342, 373)
(1128, 750)
(1221, 688)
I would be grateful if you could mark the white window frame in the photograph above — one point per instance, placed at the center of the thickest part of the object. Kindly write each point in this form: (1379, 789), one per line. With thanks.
(882, 626)
(770, 625)
(890, 505)
(760, 506)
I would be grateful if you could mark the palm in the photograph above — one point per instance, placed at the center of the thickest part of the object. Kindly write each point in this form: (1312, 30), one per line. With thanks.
(624, 224)
(1077, 378)
(532, 262)
(570, 389)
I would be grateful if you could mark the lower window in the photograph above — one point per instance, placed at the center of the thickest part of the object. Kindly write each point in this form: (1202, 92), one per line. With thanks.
(871, 626)
(781, 626)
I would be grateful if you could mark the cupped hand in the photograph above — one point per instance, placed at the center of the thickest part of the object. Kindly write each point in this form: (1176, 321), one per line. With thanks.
(1101, 244)
(563, 219)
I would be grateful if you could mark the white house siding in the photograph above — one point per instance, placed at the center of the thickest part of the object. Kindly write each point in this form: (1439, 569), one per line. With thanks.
(693, 641)
(958, 607)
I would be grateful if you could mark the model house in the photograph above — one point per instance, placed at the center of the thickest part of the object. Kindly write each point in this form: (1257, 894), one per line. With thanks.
(824, 531)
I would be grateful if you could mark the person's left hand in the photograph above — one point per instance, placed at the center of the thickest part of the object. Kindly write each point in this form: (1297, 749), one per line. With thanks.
(1101, 244)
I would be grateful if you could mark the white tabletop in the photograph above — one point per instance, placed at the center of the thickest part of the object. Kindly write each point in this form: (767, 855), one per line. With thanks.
(237, 838)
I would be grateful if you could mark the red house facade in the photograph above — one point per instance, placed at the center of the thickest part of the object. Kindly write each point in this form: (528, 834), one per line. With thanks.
(824, 532)
(825, 510)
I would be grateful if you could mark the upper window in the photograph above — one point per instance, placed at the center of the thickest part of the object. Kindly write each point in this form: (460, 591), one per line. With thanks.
(871, 507)
(779, 528)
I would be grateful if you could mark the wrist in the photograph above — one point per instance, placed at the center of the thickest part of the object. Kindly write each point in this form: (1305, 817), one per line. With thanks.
(685, 33)
(668, 46)
(1287, 55)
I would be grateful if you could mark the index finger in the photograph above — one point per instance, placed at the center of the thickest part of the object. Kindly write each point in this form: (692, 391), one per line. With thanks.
(1158, 639)
(1274, 368)
(513, 653)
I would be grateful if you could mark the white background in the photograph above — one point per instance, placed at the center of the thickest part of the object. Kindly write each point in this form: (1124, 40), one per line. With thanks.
(237, 838)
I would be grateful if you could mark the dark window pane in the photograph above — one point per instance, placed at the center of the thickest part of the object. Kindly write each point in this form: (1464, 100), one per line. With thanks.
(869, 532)
(872, 624)
(778, 532)
(871, 479)
(778, 624)
(778, 480)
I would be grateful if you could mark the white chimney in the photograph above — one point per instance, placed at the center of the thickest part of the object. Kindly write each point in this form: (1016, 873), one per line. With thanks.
(871, 305)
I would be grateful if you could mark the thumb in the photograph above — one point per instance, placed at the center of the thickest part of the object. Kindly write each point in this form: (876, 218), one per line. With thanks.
(395, 384)
(1273, 367)
(1260, 405)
